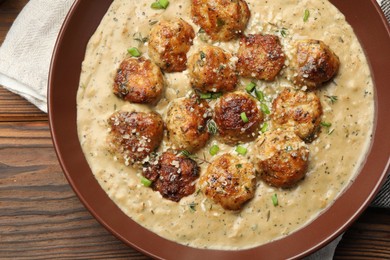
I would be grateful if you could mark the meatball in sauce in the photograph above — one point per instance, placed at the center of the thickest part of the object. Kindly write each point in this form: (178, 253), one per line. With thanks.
(134, 135)
(315, 63)
(260, 57)
(169, 42)
(281, 158)
(187, 123)
(237, 117)
(222, 20)
(298, 110)
(139, 80)
(211, 69)
(174, 175)
(229, 181)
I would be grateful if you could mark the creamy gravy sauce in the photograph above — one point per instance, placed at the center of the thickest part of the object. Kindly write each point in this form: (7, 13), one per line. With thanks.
(335, 156)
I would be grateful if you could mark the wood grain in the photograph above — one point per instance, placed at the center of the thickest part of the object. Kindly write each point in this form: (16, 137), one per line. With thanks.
(41, 218)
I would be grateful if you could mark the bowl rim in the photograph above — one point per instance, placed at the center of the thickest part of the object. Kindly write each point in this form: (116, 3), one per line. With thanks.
(62, 115)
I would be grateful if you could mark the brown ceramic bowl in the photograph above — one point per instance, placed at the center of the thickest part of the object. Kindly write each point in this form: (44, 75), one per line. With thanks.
(373, 32)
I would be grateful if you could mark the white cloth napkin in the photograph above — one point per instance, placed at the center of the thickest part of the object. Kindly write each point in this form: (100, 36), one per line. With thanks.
(26, 54)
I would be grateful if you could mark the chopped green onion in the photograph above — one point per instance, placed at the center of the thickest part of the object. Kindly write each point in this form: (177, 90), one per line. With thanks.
(134, 52)
(264, 127)
(264, 108)
(160, 4)
(205, 95)
(306, 15)
(214, 149)
(241, 150)
(326, 124)
(244, 117)
(275, 200)
(216, 95)
(250, 86)
(259, 95)
(146, 182)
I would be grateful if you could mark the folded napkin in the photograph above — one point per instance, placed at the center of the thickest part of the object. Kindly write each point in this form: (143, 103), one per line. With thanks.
(25, 60)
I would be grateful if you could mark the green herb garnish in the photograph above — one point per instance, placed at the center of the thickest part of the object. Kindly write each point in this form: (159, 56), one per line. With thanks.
(241, 150)
(212, 127)
(249, 88)
(160, 4)
(244, 117)
(332, 99)
(326, 124)
(264, 127)
(146, 182)
(214, 150)
(306, 15)
(275, 200)
(264, 108)
(134, 52)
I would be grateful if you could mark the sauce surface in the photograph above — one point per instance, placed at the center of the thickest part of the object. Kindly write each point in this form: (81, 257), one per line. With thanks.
(335, 156)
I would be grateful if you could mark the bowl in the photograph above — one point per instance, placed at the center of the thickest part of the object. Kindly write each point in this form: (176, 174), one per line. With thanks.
(374, 34)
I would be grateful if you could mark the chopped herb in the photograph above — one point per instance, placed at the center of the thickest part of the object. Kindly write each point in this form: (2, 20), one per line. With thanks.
(214, 149)
(264, 108)
(138, 37)
(193, 205)
(205, 95)
(201, 30)
(326, 124)
(239, 166)
(259, 95)
(210, 95)
(134, 52)
(306, 15)
(330, 131)
(289, 148)
(202, 55)
(186, 153)
(160, 4)
(332, 99)
(283, 32)
(250, 86)
(152, 22)
(220, 22)
(244, 117)
(241, 150)
(264, 127)
(275, 200)
(212, 127)
(146, 182)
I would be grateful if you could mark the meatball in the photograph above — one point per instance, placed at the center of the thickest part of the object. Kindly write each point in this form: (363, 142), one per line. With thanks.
(222, 20)
(314, 64)
(230, 113)
(212, 69)
(139, 80)
(173, 175)
(299, 110)
(169, 42)
(260, 56)
(281, 158)
(134, 135)
(229, 181)
(187, 123)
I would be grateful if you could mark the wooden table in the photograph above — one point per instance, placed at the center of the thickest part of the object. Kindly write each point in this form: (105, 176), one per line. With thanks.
(41, 217)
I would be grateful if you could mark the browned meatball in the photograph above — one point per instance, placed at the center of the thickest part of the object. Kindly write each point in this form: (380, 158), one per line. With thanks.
(173, 176)
(212, 69)
(229, 181)
(222, 20)
(260, 56)
(139, 81)
(281, 158)
(314, 64)
(186, 123)
(299, 110)
(228, 116)
(134, 135)
(169, 43)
